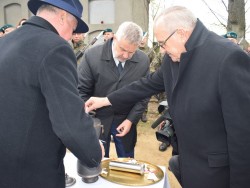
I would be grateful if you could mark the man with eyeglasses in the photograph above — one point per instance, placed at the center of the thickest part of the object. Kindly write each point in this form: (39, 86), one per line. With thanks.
(41, 111)
(206, 78)
(108, 67)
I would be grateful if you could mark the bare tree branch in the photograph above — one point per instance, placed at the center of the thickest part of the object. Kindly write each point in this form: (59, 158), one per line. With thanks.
(214, 13)
(246, 5)
(156, 8)
(225, 5)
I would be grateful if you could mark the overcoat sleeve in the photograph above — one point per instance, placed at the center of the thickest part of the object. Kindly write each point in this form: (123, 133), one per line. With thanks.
(58, 80)
(86, 80)
(137, 91)
(234, 87)
(136, 112)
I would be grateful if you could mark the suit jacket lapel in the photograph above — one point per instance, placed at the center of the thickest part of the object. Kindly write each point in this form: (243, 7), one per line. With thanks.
(107, 57)
(129, 65)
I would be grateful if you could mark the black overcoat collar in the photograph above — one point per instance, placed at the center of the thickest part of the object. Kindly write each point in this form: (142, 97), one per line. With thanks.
(196, 39)
(40, 22)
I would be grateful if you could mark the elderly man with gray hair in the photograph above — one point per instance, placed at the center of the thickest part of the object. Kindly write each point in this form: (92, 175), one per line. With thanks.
(206, 78)
(106, 68)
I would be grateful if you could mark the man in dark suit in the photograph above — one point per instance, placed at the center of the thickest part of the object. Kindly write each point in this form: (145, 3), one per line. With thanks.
(206, 78)
(41, 110)
(99, 76)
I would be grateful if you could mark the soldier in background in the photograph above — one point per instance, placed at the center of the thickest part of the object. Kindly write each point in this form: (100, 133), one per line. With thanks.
(107, 34)
(231, 35)
(156, 63)
(77, 43)
(7, 28)
(161, 96)
(147, 50)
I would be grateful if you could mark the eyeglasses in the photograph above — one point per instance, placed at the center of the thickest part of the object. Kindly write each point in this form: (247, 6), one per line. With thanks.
(162, 44)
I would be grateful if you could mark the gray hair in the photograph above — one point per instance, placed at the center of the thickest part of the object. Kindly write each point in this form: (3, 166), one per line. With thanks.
(176, 17)
(47, 7)
(52, 9)
(130, 32)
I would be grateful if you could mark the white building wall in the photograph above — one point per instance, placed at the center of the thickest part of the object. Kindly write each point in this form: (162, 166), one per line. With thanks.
(109, 13)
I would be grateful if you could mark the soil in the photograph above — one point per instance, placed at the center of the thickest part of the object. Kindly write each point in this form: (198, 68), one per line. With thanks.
(147, 145)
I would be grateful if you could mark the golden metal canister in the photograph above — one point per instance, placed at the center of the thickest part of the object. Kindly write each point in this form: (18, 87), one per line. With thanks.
(127, 167)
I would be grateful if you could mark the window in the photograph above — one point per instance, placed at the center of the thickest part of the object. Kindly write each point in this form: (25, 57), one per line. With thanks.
(101, 11)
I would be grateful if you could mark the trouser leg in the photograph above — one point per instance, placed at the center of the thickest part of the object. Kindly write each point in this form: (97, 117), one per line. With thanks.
(106, 145)
(175, 167)
(119, 145)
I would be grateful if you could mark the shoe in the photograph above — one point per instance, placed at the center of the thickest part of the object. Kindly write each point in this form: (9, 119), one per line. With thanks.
(163, 146)
(144, 118)
(69, 181)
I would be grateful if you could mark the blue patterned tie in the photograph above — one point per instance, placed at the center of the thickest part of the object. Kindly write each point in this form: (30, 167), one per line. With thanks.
(120, 68)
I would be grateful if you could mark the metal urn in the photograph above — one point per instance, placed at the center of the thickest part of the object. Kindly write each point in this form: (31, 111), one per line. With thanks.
(90, 175)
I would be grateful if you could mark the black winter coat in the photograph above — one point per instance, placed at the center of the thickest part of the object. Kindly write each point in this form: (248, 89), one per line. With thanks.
(209, 104)
(41, 111)
(98, 76)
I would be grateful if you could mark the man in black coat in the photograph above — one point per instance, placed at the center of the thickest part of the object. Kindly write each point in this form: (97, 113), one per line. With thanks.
(206, 78)
(41, 110)
(99, 76)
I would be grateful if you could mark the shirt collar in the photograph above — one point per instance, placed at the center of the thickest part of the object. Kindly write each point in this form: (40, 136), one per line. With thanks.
(115, 59)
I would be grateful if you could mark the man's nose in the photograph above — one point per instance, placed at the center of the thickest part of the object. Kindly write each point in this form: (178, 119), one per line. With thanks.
(162, 50)
(125, 55)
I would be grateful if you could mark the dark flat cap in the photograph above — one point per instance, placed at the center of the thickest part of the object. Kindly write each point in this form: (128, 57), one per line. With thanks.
(107, 30)
(231, 34)
(6, 26)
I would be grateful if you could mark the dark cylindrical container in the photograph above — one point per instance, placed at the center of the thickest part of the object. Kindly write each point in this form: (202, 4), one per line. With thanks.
(90, 175)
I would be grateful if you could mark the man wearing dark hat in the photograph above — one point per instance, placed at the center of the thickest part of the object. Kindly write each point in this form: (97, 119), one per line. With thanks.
(41, 111)
(143, 46)
(107, 34)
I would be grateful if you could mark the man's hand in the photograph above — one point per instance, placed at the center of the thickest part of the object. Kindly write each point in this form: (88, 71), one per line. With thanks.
(161, 124)
(96, 102)
(124, 128)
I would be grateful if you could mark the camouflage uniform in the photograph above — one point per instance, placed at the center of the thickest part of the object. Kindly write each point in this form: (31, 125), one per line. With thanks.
(78, 46)
(161, 96)
(156, 63)
(146, 50)
(151, 57)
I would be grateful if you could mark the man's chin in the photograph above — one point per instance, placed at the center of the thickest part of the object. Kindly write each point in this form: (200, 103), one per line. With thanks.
(174, 59)
(122, 60)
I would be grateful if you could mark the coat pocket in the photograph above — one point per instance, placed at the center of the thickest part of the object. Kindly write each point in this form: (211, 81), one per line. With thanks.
(218, 159)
